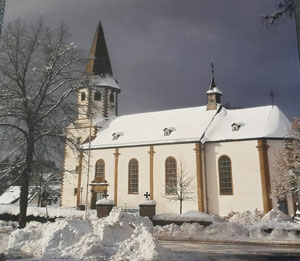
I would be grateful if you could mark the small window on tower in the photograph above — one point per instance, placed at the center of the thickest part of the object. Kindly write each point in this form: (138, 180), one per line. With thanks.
(83, 96)
(111, 97)
(97, 96)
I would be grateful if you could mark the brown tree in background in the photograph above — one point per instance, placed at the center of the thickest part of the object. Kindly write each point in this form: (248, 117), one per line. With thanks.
(288, 165)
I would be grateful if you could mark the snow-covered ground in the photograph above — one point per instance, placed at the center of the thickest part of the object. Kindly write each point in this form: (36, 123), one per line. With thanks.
(123, 236)
(245, 226)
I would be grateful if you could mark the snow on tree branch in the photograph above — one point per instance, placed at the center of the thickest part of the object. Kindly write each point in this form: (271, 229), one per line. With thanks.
(288, 165)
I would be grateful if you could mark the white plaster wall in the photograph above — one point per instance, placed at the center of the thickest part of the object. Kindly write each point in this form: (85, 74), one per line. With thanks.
(181, 152)
(70, 176)
(184, 152)
(142, 156)
(247, 191)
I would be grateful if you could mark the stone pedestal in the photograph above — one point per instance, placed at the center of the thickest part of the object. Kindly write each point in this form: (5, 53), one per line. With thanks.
(104, 206)
(147, 208)
(81, 207)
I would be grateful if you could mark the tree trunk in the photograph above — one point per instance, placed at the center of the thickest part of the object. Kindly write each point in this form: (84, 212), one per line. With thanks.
(180, 206)
(25, 185)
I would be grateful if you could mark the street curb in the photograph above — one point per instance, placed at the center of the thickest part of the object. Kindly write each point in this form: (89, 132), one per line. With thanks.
(233, 242)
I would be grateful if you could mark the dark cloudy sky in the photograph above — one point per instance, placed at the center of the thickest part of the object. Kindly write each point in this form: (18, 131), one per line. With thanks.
(161, 49)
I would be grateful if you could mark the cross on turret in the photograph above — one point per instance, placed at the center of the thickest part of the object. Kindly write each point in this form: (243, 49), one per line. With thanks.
(213, 93)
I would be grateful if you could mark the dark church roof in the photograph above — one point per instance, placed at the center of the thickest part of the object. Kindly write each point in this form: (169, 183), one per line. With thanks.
(99, 63)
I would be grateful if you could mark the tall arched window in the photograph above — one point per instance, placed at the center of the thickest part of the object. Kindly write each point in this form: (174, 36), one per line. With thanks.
(133, 176)
(100, 170)
(171, 175)
(111, 97)
(225, 176)
(97, 96)
(83, 96)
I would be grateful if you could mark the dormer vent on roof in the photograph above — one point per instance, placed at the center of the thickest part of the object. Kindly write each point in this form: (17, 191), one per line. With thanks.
(236, 126)
(116, 135)
(168, 131)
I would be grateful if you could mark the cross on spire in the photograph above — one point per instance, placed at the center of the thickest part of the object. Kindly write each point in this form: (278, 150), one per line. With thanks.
(212, 82)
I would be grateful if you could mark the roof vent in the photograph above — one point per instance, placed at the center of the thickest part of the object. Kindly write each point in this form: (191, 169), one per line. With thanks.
(168, 131)
(116, 135)
(236, 126)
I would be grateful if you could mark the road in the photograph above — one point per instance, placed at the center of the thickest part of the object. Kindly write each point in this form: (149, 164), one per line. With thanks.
(217, 251)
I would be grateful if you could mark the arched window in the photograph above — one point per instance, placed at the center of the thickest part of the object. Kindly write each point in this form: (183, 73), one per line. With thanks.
(225, 176)
(171, 175)
(83, 96)
(100, 170)
(97, 96)
(111, 97)
(133, 177)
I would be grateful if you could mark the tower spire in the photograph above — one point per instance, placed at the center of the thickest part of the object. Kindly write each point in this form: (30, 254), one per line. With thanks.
(213, 93)
(99, 63)
(99, 98)
(212, 81)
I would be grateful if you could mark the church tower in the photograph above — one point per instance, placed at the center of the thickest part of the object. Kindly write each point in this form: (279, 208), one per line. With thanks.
(100, 98)
(213, 93)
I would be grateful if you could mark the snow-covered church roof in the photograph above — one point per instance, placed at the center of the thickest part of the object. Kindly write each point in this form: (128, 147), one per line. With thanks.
(190, 125)
(253, 123)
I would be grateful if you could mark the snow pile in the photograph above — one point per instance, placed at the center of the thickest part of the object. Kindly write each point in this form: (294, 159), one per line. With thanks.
(275, 225)
(148, 202)
(7, 226)
(247, 225)
(276, 216)
(195, 231)
(105, 201)
(120, 236)
(38, 211)
(186, 217)
(245, 217)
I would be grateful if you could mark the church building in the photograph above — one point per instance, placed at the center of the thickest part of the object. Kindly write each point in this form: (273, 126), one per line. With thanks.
(226, 155)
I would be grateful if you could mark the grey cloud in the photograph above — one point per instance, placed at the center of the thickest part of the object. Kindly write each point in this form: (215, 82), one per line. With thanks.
(161, 49)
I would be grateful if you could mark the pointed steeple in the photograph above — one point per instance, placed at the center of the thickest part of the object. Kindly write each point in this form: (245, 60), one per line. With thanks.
(99, 63)
(213, 93)
(100, 97)
(212, 81)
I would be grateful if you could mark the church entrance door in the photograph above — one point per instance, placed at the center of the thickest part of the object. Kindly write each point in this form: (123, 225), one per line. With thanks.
(98, 192)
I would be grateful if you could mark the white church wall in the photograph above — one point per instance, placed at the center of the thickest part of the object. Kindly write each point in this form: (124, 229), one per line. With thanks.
(70, 175)
(181, 152)
(246, 179)
(142, 156)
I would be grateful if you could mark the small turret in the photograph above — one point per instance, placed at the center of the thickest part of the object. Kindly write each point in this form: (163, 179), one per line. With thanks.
(213, 93)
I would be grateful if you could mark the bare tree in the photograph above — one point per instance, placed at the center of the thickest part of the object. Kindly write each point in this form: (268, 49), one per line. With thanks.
(39, 70)
(288, 165)
(180, 187)
(283, 8)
